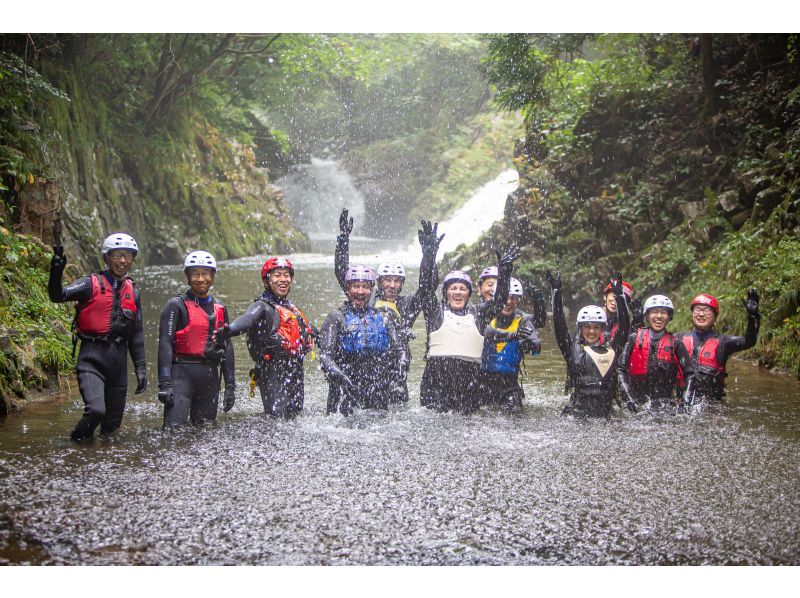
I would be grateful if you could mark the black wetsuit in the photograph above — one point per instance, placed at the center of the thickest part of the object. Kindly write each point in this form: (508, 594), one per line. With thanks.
(194, 381)
(406, 307)
(280, 375)
(499, 380)
(453, 382)
(363, 358)
(664, 380)
(709, 380)
(102, 362)
(593, 390)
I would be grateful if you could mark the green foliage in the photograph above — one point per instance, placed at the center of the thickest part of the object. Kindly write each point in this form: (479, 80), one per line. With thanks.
(34, 338)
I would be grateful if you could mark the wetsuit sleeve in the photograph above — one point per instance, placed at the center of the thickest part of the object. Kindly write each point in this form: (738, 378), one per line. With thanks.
(529, 342)
(170, 321)
(624, 321)
(684, 361)
(248, 319)
(328, 339)
(622, 369)
(136, 341)
(431, 310)
(78, 290)
(560, 325)
(487, 310)
(734, 344)
(228, 360)
(341, 259)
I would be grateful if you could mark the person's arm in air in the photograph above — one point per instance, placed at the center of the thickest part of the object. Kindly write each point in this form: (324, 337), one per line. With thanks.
(341, 259)
(563, 337)
(487, 310)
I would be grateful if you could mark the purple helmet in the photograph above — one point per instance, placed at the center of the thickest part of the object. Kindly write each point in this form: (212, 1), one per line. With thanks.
(489, 272)
(456, 276)
(359, 273)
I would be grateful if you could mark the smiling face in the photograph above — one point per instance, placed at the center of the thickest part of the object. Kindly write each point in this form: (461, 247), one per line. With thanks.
(703, 317)
(611, 303)
(390, 287)
(358, 293)
(457, 295)
(591, 332)
(119, 262)
(657, 318)
(511, 304)
(200, 281)
(279, 282)
(487, 287)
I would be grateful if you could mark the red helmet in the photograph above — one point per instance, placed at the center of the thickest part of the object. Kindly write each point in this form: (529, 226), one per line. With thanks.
(706, 299)
(276, 262)
(627, 289)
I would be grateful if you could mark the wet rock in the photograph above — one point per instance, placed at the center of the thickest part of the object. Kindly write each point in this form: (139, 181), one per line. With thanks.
(750, 183)
(692, 209)
(729, 201)
(766, 201)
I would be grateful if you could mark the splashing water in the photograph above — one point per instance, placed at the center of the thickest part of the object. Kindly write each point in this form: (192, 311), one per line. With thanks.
(316, 193)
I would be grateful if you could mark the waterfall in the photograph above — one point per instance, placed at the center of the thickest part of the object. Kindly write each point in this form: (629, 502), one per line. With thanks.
(482, 209)
(316, 193)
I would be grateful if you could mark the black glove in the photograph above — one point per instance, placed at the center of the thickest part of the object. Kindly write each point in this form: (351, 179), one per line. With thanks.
(637, 312)
(165, 394)
(221, 334)
(505, 260)
(230, 398)
(427, 235)
(631, 406)
(141, 380)
(345, 224)
(553, 281)
(59, 260)
(616, 284)
(751, 303)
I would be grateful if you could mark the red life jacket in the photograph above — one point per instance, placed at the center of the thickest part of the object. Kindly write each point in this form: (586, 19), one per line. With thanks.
(195, 339)
(707, 355)
(93, 317)
(637, 366)
(294, 331)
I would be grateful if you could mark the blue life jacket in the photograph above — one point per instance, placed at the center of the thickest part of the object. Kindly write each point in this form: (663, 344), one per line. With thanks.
(364, 333)
(503, 357)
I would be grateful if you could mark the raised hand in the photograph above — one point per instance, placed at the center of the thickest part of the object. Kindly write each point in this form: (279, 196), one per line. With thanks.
(616, 284)
(345, 223)
(637, 310)
(509, 254)
(751, 303)
(553, 281)
(59, 260)
(427, 235)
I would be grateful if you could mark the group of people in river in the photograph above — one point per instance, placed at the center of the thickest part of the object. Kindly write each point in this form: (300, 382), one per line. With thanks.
(619, 352)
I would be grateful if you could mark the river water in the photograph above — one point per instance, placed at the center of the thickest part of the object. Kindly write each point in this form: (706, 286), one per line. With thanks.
(410, 486)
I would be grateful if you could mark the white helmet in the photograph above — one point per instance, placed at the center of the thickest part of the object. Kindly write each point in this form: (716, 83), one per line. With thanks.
(391, 269)
(592, 314)
(119, 241)
(199, 259)
(659, 301)
(516, 288)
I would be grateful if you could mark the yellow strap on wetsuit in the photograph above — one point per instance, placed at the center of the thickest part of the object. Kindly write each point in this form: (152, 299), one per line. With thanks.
(390, 304)
(513, 327)
(253, 383)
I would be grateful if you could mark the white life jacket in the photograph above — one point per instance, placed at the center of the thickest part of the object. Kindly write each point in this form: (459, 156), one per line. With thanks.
(457, 337)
